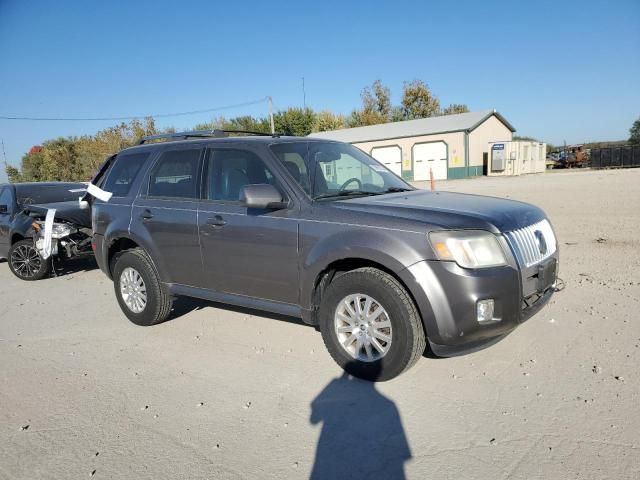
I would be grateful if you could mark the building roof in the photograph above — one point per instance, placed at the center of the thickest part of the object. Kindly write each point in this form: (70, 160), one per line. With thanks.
(459, 122)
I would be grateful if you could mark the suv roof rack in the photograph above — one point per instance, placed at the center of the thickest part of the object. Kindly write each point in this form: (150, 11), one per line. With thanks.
(202, 134)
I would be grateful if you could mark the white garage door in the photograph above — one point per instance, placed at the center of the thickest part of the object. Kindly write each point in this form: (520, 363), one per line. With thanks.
(391, 157)
(427, 156)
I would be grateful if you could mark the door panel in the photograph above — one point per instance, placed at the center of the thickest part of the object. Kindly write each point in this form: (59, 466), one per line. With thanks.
(6, 198)
(252, 252)
(166, 214)
(172, 228)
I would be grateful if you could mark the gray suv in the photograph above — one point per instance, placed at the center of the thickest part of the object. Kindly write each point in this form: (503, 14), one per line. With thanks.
(321, 231)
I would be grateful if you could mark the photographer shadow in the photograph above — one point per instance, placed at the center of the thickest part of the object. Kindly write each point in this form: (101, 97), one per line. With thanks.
(362, 435)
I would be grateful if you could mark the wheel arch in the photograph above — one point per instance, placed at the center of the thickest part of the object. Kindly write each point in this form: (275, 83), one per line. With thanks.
(16, 237)
(346, 264)
(390, 251)
(122, 241)
(117, 245)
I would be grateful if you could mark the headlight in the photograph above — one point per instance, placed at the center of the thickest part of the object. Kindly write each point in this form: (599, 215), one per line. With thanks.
(60, 230)
(468, 248)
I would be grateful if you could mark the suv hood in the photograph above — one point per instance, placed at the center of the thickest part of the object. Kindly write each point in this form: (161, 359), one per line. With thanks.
(450, 210)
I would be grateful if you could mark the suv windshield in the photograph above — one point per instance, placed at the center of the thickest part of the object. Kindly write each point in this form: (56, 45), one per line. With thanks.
(327, 170)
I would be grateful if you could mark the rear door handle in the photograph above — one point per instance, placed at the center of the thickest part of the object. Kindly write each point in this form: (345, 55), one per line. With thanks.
(217, 221)
(146, 214)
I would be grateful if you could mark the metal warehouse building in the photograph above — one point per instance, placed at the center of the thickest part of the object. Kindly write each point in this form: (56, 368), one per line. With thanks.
(453, 146)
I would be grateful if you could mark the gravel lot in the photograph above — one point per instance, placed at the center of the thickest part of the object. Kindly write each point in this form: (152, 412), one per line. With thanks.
(217, 393)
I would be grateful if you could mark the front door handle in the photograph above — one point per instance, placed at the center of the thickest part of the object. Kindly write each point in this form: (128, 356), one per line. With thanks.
(217, 221)
(146, 214)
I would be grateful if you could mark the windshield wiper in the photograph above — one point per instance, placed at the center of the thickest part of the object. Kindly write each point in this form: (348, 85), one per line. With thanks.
(397, 189)
(345, 193)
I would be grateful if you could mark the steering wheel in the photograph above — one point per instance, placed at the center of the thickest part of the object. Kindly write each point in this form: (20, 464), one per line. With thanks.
(351, 180)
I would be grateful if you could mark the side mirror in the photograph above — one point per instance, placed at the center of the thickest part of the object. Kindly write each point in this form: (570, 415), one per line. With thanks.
(4, 209)
(262, 195)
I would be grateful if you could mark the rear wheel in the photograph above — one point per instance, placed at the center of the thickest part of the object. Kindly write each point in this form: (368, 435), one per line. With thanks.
(138, 290)
(370, 325)
(26, 263)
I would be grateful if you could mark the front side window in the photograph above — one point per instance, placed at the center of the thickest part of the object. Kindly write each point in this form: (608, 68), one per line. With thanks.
(176, 174)
(124, 171)
(229, 170)
(328, 170)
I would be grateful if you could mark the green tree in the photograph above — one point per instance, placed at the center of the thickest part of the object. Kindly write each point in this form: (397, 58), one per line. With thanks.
(326, 120)
(634, 133)
(250, 124)
(246, 123)
(294, 121)
(31, 167)
(397, 114)
(13, 174)
(376, 106)
(77, 158)
(418, 101)
(377, 98)
(454, 108)
(216, 123)
(61, 160)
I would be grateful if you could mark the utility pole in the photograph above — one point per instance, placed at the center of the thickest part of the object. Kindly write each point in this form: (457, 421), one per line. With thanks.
(4, 154)
(273, 129)
(304, 95)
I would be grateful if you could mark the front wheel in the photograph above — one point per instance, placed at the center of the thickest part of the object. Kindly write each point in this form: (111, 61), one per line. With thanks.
(26, 263)
(138, 289)
(370, 325)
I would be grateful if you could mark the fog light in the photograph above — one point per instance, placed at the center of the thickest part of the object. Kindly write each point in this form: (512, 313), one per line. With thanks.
(484, 310)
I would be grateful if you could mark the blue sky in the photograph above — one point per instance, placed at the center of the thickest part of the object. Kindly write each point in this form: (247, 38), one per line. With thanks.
(558, 70)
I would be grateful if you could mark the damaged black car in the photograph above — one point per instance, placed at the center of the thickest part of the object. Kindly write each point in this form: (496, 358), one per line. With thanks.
(41, 223)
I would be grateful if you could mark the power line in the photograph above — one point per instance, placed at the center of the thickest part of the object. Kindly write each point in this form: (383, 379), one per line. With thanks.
(157, 115)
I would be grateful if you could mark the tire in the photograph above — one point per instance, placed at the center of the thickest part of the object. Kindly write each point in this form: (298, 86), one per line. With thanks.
(407, 339)
(26, 263)
(137, 266)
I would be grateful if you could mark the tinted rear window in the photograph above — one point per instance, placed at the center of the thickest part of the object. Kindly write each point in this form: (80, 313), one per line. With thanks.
(123, 173)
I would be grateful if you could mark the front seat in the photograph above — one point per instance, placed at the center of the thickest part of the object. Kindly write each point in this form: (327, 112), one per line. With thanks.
(297, 175)
(232, 182)
(294, 170)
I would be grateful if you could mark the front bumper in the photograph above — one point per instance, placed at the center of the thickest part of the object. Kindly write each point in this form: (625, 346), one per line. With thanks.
(484, 342)
(447, 295)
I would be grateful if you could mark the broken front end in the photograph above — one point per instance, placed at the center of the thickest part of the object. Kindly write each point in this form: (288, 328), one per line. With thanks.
(56, 231)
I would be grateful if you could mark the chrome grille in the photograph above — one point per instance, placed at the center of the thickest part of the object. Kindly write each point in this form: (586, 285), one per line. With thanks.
(529, 243)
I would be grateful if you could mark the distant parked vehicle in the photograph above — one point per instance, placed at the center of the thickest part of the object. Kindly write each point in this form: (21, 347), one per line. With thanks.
(322, 231)
(552, 161)
(28, 241)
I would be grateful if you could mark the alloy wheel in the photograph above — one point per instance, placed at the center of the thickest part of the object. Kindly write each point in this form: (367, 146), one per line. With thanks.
(26, 261)
(133, 290)
(363, 327)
